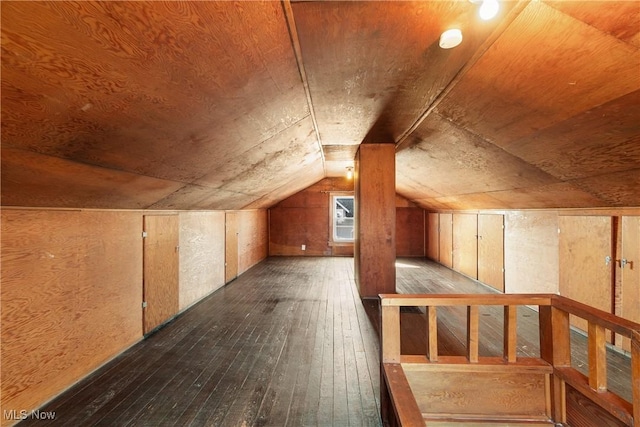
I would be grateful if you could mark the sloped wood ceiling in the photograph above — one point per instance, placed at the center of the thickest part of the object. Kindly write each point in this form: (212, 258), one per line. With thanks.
(226, 105)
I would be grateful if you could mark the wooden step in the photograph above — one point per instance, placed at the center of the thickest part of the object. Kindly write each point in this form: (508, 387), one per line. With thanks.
(476, 423)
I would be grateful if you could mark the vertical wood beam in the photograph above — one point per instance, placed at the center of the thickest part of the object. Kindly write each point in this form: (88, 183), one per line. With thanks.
(635, 376)
(473, 329)
(510, 333)
(597, 357)
(375, 243)
(432, 334)
(390, 334)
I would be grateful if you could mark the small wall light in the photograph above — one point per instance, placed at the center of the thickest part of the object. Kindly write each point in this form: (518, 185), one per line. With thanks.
(450, 38)
(349, 172)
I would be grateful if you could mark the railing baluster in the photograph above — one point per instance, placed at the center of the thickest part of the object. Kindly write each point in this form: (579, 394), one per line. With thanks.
(390, 334)
(432, 334)
(597, 358)
(510, 333)
(473, 320)
(635, 375)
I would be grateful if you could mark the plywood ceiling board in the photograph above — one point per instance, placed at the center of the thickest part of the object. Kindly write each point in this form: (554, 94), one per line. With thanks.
(561, 195)
(616, 189)
(545, 68)
(374, 67)
(31, 179)
(149, 87)
(197, 197)
(602, 140)
(620, 19)
(453, 161)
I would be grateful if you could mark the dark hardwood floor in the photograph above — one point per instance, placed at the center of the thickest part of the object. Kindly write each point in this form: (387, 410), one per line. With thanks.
(287, 343)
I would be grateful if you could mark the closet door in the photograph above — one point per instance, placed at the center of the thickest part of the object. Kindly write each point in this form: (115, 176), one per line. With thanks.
(465, 244)
(446, 240)
(491, 250)
(628, 269)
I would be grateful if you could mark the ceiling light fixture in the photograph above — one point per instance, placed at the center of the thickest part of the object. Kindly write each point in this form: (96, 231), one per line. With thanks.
(349, 172)
(450, 38)
(489, 9)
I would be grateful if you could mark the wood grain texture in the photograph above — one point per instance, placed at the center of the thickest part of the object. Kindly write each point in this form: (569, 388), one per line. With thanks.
(491, 250)
(202, 255)
(465, 244)
(584, 242)
(161, 290)
(410, 232)
(582, 412)
(530, 252)
(432, 229)
(253, 238)
(446, 239)
(231, 257)
(71, 294)
(375, 196)
(630, 273)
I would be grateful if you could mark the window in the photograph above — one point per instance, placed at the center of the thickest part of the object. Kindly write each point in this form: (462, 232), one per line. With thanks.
(342, 218)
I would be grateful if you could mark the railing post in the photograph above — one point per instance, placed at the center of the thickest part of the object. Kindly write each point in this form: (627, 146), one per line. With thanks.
(390, 334)
(432, 334)
(510, 333)
(473, 328)
(597, 357)
(635, 376)
(555, 348)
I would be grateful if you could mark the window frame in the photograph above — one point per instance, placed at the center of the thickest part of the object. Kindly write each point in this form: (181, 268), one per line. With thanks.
(333, 241)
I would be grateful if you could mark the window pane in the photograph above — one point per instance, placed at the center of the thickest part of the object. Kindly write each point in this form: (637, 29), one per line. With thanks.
(343, 218)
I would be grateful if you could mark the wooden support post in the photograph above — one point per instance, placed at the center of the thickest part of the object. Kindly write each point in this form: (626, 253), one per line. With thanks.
(635, 376)
(597, 358)
(473, 329)
(432, 334)
(555, 348)
(375, 234)
(510, 333)
(390, 334)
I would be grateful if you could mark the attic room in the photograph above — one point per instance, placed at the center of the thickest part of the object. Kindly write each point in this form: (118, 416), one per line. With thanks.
(318, 212)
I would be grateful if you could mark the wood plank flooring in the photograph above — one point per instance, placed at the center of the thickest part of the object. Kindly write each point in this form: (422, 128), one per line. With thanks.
(287, 343)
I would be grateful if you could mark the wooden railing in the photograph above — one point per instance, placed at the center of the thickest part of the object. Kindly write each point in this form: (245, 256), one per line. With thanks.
(554, 359)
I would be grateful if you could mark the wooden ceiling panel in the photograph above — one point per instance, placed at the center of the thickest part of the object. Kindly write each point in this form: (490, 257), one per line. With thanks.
(559, 195)
(617, 189)
(452, 161)
(545, 68)
(31, 179)
(603, 140)
(620, 19)
(198, 197)
(374, 67)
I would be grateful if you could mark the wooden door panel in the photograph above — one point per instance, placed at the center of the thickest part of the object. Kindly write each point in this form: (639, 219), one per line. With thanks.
(585, 275)
(491, 250)
(446, 240)
(465, 244)
(433, 236)
(161, 289)
(630, 272)
(231, 246)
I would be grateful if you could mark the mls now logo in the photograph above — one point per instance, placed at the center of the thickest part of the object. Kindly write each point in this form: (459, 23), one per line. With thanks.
(16, 415)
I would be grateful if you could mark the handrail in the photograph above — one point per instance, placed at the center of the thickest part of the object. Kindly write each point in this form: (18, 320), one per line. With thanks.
(555, 344)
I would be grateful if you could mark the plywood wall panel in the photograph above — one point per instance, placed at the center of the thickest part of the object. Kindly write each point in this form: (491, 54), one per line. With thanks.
(491, 250)
(584, 244)
(446, 240)
(71, 294)
(432, 229)
(253, 239)
(410, 232)
(230, 246)
(465, 244)
(630, 273)
(202, 255)
(531, 252)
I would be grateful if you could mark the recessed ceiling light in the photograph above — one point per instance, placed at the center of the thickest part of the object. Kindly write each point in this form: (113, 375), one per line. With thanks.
(450, 38)
(489, 9)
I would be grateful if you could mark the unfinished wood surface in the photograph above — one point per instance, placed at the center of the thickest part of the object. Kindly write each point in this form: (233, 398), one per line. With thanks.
(303, 219)
(510, 334)
(410, 232)
(446, 240)
(531, 252)
(71, 298)
(271, 348)
(585, 274)
(202, 255)
(582, 412)
(231, 246)
(465, 244)
(161, 269)
(432, 239)
(375, 229)
(491, 250)
(629, 272)
(597, 357)
(253, 238)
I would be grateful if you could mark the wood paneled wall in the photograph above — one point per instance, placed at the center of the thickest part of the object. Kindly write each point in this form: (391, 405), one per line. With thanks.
(71, 298)
(201, 255)
(303, 219)
(71, 290)
(253, 237)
